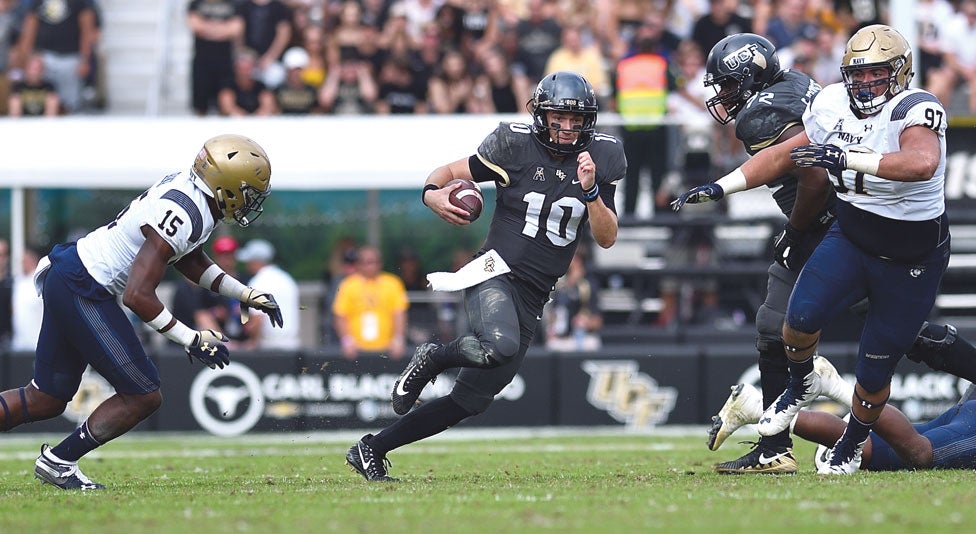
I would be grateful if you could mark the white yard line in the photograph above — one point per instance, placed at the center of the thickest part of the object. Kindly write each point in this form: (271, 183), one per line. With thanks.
(24, 447)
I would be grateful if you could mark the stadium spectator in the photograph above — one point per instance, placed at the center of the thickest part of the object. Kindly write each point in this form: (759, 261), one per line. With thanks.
(313, 42)
(373, 13)
(573, 318)
(720, 22)
(350, 37)
(448, 25)
(267, 31)
(65, 38)
(202, 309)
(349, 89)
(642, 100)
(538, 35)
(451, 88)
(34, 95)
(82, 283)
(479, 26)
(931, 16)
(216, 25)
(586, 59)
(852, 15)
(6, 295)
(410, 271)
(500, 83)
(342, 263)
(28, 308)
(622, 18)
(10, 23)
(418, 14)
(894, 236)
(399, 90)
(245, 95)
(504, 306)
(295, 97)
(370, 309)
(788, 23)
(958, 57)
(257, 257)
(894, 443)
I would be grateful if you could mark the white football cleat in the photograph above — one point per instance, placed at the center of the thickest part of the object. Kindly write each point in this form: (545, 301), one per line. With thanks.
(843, 459)
(743, 407)
(832, 385)
(798, 394)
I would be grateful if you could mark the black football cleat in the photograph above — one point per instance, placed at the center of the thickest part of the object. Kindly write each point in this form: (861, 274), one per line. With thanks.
(364, 460)
(762, 459)
(419, 372)
(64, 475)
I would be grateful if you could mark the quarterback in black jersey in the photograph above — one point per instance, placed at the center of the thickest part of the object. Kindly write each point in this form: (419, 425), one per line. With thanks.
(551, 177)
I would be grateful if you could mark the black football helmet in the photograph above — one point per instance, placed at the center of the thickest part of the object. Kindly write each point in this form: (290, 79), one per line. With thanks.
(737, 68)
(568, 92)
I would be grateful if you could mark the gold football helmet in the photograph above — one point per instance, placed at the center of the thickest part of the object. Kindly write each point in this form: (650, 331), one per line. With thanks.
(876, 46)
(237, 173)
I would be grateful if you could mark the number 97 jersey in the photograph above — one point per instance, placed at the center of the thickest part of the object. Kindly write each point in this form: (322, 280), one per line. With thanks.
(829, 119)
(174, 207)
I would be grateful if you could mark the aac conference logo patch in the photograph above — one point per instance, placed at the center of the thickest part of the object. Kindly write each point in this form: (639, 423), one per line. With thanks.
(227, 402)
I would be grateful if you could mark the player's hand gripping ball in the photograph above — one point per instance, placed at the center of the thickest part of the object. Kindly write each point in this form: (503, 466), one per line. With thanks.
(467, 197)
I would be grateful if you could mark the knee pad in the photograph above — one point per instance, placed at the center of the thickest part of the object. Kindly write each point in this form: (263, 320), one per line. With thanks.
(485, 353)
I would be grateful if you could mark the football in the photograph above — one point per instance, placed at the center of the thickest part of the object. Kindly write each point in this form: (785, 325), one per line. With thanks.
(467, 197)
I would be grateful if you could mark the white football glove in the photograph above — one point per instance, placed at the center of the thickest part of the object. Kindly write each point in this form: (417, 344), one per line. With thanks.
(252, 298)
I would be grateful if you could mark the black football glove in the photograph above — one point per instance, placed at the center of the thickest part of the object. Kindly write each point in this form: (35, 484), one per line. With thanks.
(209, 348)
(252, 298)
(826, 156)
(699, 195)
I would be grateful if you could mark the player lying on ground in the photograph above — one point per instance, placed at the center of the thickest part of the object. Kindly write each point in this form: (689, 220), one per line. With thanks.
(946, 442)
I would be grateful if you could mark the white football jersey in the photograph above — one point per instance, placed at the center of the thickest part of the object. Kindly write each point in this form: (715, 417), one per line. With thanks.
(174, 207)
(829, 119)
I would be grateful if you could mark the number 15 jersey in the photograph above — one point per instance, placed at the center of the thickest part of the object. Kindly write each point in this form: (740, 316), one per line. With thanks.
(174, 207)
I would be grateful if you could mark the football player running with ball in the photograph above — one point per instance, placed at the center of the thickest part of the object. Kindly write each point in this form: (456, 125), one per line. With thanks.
(883, 145)
(83, 324)
(552, 177)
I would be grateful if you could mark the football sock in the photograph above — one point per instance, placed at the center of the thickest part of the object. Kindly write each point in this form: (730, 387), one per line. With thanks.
(773, 378)
(959, 358)
(799, 370)
(77, 444)
(857, 430)
(422, 422)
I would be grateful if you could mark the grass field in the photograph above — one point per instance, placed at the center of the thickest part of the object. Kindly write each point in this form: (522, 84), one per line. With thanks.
(466, 481)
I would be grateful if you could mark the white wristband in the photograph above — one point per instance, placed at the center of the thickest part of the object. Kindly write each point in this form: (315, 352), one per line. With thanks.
(231, 287)
(179, 333)
(866, 162)
(733, 182)
(208, 276)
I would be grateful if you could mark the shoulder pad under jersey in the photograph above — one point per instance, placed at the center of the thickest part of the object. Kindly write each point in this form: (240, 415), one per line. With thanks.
(773, 110)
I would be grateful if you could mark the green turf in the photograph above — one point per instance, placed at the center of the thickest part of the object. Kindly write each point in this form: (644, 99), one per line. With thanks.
(570, 483)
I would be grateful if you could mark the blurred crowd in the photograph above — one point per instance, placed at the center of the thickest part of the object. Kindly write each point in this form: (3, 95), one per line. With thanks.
(265, 57)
